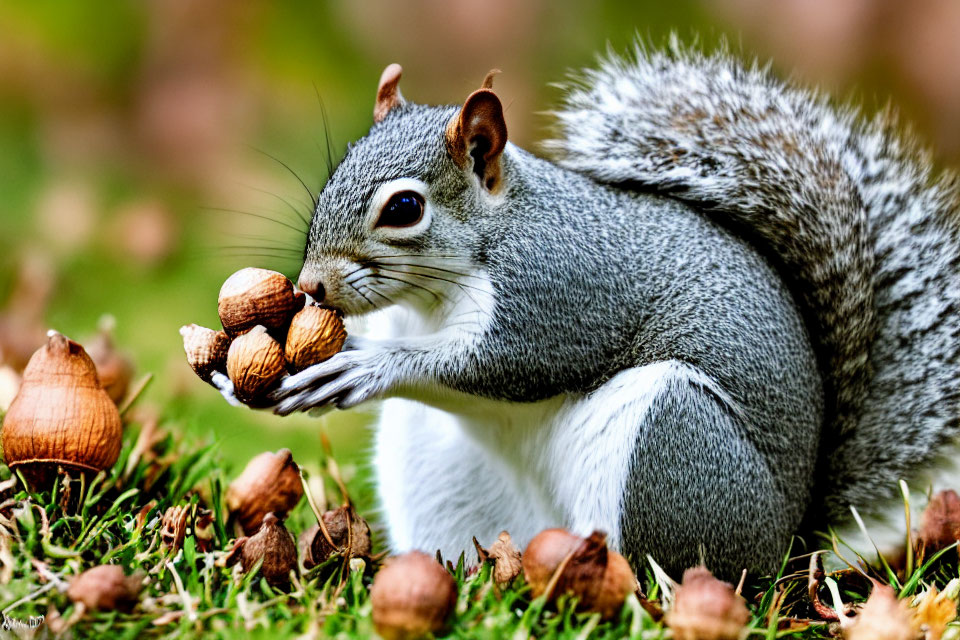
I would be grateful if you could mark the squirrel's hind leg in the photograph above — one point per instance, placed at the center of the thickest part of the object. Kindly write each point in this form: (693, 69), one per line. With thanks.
(699, 490)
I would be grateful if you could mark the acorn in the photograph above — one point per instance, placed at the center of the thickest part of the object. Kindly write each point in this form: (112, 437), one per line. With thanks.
(206, 349)
(349, 532)
(252, 297)
(705, 607)
(600, 579)
(255, 364)
(506, 559)
(61, 415)
(269, 483)
(940, 521)
(412, 595)
(274, 545)
(114, 368)
(883, 617)
(315, 335)
(105, 588)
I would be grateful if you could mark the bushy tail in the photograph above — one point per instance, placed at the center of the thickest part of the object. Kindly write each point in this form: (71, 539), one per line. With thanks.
(850, 212)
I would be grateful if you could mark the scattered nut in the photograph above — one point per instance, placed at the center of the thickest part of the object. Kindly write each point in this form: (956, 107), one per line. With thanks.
(114, 368)
(252, 297)
(557, 562)
(412, 596)
(274, 545)
(255, 364)
(349, 532)
(315, 335)
(269, 483)
(61, 415)
(940, 522)
(505, 558)
(704, 607)
(883, 617)
(206, 349)
(105, 588)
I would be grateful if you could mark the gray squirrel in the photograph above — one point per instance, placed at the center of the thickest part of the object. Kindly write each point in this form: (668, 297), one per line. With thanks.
(725, 312)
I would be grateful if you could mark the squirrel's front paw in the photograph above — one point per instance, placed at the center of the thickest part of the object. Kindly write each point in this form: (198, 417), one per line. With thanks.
(345, 380)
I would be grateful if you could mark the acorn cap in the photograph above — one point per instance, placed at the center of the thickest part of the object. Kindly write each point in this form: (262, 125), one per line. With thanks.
(315, 335)
(61, 415)
(206, 349)
(253, 297)
(255, 364)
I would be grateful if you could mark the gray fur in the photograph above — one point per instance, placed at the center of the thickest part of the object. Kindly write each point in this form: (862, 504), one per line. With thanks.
(851, 213)
(701, 213)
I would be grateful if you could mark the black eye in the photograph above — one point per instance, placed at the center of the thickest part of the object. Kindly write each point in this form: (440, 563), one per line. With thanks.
(404, 209)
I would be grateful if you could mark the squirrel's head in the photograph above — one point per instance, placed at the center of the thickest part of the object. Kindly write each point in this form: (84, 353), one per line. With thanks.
(395, 221)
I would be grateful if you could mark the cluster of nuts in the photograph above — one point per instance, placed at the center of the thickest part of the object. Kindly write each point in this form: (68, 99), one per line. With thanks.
(268, 331)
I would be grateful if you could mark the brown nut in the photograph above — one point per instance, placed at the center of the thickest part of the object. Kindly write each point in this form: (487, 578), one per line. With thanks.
(883, 616)
(252, 297)
(272, 544)
(269, 483)
(315, 335)
(349, 533)
(61, 415)
(113, 367)
(412, 596)
(940, 522)
(600, 579)
(704, 607)
(206, 349)
(105, 588)
(255, 364)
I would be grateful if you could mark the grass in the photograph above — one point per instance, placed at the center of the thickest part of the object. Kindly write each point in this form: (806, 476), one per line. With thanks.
(49, 537)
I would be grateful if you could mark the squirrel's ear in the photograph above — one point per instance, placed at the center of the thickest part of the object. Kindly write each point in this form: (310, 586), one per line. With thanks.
(479, 133)
(388, 93)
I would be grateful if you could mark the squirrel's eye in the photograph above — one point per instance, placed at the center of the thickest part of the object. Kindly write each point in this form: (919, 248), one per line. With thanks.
(404, 209)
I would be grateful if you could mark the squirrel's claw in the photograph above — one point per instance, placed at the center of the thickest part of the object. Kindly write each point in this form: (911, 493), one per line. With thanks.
(345, 380)
(225, 387)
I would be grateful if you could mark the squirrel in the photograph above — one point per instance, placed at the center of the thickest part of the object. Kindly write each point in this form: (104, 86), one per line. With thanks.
(720, 314)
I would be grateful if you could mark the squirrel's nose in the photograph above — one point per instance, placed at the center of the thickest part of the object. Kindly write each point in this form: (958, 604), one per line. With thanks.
(313, 286)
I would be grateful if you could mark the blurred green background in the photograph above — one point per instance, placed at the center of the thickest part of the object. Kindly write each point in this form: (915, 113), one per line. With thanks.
(143, 143)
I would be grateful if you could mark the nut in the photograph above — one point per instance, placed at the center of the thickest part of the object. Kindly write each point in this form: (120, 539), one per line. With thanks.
(412, 596)
(557, 562)
(940, 522)
(114, 368)
(272, 544)
(105, 588)
(315, 335)
(61, 415)
(349, 532)
(704, 607)
(252, 297)
(255, 364)
(883, 617)
(206, 349)
(269, 483)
